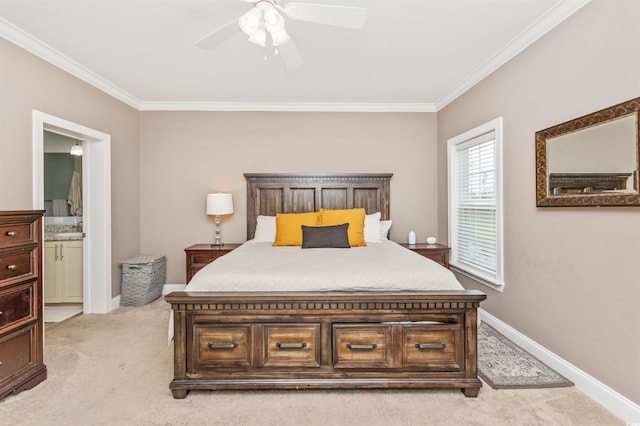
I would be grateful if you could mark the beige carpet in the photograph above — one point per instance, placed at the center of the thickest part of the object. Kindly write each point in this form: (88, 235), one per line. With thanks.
(115, 369)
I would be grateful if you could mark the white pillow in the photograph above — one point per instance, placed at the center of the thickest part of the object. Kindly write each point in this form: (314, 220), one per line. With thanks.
(385, 225)
(372, 228)
(265, 229)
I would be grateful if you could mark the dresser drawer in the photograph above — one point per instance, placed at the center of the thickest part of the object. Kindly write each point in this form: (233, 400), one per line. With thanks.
(205, 258)
(18, 264)
(15, 234)
(441, 258)
(432, 347)
(362, 346)
(17, 351)
(291, 345)
(17, 306)
(223, 345)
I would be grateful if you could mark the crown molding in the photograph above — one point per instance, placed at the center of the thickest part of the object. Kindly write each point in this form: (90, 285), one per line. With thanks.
(527, 37)
(42, 50)
(287, 106)
(545, 23)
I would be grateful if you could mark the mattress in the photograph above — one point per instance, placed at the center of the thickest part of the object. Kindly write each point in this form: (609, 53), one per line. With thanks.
(384, 266)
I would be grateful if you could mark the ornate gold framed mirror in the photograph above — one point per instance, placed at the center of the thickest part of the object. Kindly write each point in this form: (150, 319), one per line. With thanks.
(592, 160)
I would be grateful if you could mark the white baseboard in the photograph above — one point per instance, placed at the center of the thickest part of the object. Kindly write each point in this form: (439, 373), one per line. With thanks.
(168, 288)
(115, 302)
(618, 404)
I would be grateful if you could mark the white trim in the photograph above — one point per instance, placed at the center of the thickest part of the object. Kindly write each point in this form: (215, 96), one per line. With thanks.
(288, 107)
(561, 11)
(115, 302)
(613, 401)
(42, 50)
(496, 287)
(496, 126)
(96, 183)
(555, 16)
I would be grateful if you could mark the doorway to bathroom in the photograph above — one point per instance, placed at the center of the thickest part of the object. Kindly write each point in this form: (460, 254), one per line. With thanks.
(63, 227)
(95, 175)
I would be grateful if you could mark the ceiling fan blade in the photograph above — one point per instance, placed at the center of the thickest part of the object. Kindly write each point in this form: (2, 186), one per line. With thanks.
(290, 55)
(215, 38)
(340, 16)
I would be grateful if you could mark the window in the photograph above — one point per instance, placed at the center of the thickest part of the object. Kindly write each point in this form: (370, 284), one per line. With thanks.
(475, 203)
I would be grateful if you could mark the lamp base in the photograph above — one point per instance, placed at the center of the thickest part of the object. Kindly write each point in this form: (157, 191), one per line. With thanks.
(217, 244)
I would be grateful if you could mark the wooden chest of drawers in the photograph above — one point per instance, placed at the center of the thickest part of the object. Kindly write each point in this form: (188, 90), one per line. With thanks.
(21, 324)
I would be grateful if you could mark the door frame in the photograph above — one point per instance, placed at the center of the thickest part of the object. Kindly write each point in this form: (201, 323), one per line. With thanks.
(96, 203)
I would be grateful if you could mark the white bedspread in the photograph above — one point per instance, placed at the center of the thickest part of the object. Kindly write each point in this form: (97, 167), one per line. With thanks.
(378, 266)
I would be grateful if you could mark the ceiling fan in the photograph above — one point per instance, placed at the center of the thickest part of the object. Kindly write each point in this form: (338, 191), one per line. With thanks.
(265, 20)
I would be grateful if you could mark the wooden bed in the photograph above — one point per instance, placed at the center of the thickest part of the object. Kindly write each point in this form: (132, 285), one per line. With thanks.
(286, 340)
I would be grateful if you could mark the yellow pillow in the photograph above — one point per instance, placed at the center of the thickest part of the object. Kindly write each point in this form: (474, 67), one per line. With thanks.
(289, 227)
(355, 219)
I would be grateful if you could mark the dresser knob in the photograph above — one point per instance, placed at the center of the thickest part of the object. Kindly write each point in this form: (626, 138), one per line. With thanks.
(11, 233)
(12, 267)
(0, 312)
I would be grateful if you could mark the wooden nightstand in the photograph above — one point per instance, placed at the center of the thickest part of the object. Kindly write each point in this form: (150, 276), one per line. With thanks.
(200, 255)
(436, 252)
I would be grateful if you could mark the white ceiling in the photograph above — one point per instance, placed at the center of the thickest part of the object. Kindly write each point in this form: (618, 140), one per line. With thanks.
(411, 55)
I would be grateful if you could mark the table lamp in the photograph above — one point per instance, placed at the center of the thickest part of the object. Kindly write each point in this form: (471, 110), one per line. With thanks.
(219, 204)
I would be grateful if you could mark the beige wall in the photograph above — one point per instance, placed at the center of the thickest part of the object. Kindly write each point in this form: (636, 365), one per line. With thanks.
(28, 83)
(185, 155)
(572, 276)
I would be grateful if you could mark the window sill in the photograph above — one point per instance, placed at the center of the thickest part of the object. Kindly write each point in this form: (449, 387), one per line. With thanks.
(476, 278)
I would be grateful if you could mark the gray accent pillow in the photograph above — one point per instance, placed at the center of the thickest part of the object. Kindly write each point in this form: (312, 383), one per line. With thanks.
(334, 236)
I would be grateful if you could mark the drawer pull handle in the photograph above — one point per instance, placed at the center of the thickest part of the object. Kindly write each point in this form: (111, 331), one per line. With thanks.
(230, 346)
(12, 267)
(426, 346)
(291, 345)
(362, 347)
(12, 233)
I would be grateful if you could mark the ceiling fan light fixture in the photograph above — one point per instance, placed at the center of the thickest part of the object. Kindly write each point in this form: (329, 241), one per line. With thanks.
(259, 37)
(280, 37)
(273, 21)
(250, 22)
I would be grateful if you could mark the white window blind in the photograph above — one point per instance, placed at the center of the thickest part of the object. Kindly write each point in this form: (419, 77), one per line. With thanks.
(475, 204)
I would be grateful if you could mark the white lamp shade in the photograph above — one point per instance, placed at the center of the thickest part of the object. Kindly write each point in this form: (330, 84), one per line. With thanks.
(219, 204)
(273, 21)
(250, 21)
(76, 149)
(259, 37)
(279, 38)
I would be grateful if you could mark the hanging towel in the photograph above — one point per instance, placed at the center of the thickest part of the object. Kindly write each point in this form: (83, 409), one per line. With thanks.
(75, 195)
(60, 208)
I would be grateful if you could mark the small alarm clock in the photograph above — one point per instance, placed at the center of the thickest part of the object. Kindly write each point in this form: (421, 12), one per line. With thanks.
(431, 240)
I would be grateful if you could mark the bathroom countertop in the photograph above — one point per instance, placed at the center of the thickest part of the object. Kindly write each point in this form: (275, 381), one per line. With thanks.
(63, 233)
(57, 237)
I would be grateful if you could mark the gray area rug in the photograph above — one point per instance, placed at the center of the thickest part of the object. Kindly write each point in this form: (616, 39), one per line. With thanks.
(505, 365)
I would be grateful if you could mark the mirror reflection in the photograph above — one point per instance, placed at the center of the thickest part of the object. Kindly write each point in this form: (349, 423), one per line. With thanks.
(597, 159)
(592, 160)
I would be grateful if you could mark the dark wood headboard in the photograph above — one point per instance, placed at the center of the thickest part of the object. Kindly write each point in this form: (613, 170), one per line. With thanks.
(271, 193)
